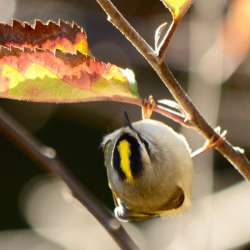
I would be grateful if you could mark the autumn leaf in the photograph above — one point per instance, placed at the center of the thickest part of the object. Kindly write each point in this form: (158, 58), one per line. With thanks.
(52, 63)
(44, 76)
(62, 36)
(177, 7)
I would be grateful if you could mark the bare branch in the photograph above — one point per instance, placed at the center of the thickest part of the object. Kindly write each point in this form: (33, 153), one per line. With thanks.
(235, 156)
(46, 157)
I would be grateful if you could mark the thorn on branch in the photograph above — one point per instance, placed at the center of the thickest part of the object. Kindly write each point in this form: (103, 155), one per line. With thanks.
(109, 18)
(214, 142)
(239, 150)
(48, 152)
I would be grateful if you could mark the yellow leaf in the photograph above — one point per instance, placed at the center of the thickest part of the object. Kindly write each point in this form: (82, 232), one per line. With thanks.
(177, 7)
(37, 71)
(13, 76)
(82, 47)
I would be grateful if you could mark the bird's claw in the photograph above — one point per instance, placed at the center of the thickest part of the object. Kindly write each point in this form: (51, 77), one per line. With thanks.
(121, 213)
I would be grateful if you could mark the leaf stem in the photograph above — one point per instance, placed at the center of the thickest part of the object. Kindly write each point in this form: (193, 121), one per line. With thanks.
(237, 158)
(169, 113)
(162, 48)
(42, 155)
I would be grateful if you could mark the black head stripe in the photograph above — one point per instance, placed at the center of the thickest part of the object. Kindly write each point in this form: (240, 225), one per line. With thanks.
(146, 144)
(129, 124)
(116, 163)
(135, 156)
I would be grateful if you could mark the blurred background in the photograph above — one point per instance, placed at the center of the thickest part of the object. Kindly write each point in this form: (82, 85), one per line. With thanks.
(209, 55)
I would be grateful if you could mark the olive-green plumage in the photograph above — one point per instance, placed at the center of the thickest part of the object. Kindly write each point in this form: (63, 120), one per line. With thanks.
(149, 170)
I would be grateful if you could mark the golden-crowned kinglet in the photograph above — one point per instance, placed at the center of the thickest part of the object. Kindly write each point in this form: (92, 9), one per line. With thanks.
(149, 170)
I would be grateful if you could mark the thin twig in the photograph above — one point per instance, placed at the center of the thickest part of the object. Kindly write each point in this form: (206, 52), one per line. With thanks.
(233, 154)
(162, 48)
(167, 112)
(46, 157)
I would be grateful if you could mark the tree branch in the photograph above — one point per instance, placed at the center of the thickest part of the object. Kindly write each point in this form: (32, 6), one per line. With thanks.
(46, 157)
(237, 157)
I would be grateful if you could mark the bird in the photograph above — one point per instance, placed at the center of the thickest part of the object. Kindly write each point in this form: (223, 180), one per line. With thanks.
(149, 170)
